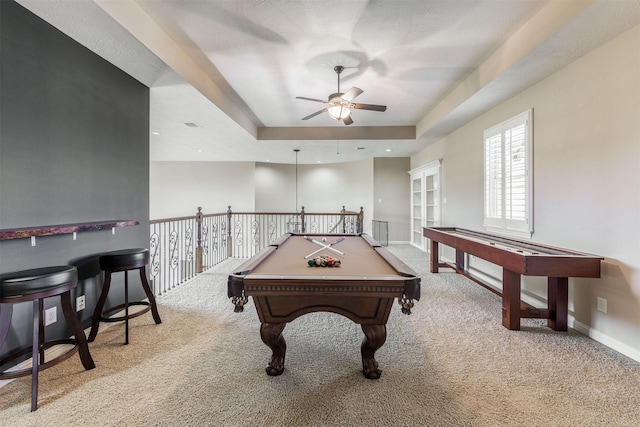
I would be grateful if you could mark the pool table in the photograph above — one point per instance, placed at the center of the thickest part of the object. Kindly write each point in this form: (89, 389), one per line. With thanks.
(362, 288)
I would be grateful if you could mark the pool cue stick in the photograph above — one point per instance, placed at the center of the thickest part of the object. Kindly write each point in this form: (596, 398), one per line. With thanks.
(329, 245)
(324, 246)
(315, 252)
(322, 249)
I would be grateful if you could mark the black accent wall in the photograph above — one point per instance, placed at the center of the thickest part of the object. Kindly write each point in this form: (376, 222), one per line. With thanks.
(74, 147)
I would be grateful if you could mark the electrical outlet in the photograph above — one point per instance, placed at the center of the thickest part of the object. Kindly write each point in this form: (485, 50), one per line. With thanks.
(50, 316)
(80, 303)
(602, 304)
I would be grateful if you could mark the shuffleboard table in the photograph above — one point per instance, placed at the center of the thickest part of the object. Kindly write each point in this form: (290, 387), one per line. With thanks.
(516, 258)
(362, 288)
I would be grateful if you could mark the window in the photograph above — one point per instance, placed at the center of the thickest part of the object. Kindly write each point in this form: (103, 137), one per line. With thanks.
(508, 176)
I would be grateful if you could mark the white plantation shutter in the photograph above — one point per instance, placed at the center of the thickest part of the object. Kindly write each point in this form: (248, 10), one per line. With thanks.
(493, 176)
(507, 176)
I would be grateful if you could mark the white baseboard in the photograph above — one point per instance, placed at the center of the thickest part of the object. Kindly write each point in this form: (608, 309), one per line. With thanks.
(399, 242)
(605, 339)
(584, 329)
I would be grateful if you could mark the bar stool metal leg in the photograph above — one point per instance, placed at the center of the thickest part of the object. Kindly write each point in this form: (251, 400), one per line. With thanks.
(6, 311)
(126, 307)
(97, 314)
(35, 352)
(150, 296)
(78, 331)
(123, 261)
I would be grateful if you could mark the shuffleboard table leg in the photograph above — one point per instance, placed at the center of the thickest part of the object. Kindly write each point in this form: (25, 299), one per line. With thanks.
(460, 259)
(510, 300)
(558, 300)
(271, 334)
(434, 256)
(374, 337)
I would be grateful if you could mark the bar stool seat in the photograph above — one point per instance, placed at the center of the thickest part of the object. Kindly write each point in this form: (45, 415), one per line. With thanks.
(123, 260)
(36, 285)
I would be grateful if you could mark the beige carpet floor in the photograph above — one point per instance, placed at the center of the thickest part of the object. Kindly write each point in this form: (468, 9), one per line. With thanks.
(450, 363)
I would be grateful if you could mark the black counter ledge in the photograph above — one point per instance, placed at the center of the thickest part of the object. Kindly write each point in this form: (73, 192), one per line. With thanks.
(53, 230)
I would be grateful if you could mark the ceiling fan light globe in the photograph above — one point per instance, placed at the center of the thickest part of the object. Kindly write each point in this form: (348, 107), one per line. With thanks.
(339, 112)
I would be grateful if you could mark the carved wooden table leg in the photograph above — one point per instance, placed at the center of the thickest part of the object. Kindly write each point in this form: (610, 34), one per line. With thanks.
(271, 334)
(374, 338)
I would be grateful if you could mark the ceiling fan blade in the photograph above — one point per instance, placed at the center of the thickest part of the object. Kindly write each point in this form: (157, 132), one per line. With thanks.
(310, 99)
(324, 110)
(351, 94)
(371, 107)
(347, 120)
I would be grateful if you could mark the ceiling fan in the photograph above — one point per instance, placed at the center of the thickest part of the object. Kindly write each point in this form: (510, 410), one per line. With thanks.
(339, 105)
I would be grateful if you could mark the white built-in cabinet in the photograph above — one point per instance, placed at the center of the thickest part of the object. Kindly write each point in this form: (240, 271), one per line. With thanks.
(425, 201)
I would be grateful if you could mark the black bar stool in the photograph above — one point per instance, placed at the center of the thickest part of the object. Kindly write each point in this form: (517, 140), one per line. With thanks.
(36, 285)
(123, 260)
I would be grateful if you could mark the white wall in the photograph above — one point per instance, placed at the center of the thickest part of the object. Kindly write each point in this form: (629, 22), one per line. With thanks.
(321, 188)
(276, 188)
(178, 188)
(392, 192)
(342, 184)
(586, 155)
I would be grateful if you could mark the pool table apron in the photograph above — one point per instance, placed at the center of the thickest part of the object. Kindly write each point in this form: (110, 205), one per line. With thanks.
(365, 299)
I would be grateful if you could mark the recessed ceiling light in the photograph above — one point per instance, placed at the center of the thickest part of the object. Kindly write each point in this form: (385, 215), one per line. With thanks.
(387, 150)
(199, 151)
(156, 133)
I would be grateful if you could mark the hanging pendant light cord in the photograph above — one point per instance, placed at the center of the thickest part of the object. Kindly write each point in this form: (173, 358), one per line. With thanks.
(296, 150)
